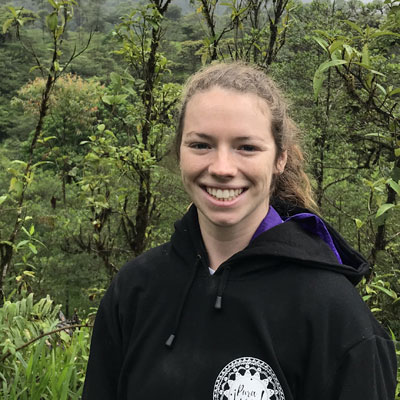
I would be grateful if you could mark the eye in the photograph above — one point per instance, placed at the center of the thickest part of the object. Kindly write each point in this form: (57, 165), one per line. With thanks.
(199, 146)
(248, 148)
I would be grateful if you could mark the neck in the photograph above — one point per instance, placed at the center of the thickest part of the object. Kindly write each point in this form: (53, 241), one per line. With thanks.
(222, 242)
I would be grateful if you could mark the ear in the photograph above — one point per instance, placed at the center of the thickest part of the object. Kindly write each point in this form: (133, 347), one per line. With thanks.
(281, 163)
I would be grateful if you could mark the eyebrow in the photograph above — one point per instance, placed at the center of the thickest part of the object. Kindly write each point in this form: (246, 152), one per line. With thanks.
(199, 134)
(211, 137)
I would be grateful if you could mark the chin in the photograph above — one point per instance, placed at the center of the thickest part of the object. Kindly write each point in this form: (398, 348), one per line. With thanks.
(223, 221)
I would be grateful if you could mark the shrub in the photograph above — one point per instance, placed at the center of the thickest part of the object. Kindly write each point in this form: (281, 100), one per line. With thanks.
(41, 357)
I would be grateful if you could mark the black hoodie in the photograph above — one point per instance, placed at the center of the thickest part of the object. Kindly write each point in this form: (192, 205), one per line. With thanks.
(279, 320)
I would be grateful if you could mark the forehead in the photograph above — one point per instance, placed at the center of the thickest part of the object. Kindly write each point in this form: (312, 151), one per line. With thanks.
(230, 96)
(227, 114)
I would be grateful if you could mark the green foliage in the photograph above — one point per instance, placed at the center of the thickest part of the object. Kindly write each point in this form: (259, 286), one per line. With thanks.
(73, 104)
(40, 359)
(381, 296)
(57, 21)
(360, 57)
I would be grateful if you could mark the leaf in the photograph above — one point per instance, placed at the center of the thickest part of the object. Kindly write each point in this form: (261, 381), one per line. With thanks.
(65, 337)
(317, 83)
(22, 243)
(20, 162)
(47, 138)
(39, 163)
(381, 136)
(204, 58)
(323, 43)
(383, 33)
(389, 292)
(52, 21)
(107, 99)
(115, 78)
(394, 185)
(369, 290)
(368, 80)
(323, 33)
(369, 68)
(394, 91)
(34, 68)
(383, 208)
(319, 77)
(13, 12)
(3, 198)
(92, 157)
(332, 63)
(16, 186)
(349, 49)
(114, 99)
(397, 152)
(53, 4)
(359, 223)
(7, 25)
(354, 26)
(154, 25)
(59, 31)
(381, 88)
(365, 55)
(337, 44)
(25, 231)
(374, 134)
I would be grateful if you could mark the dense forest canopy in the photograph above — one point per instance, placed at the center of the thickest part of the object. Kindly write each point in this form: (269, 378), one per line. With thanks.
(88, 100)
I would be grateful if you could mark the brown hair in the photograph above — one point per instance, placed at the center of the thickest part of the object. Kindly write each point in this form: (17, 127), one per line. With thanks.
(293, 184)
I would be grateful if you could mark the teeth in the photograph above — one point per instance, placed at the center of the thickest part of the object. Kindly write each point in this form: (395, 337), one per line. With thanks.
(224, 194)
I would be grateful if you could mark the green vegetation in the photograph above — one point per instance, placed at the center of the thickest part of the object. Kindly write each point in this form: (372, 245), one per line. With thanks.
(88, 179)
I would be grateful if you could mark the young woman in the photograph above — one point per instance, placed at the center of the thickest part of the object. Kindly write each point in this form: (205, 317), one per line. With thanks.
(253, 298)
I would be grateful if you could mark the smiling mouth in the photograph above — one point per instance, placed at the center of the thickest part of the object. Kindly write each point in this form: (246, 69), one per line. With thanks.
(224, 194)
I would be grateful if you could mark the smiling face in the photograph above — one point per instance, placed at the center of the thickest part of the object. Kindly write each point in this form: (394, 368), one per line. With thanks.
(228, 157)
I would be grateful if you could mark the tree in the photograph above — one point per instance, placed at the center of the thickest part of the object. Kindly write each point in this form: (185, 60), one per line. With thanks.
(57, 22)
(73, 104)
(259, 29)
(358, 61)
(140, 34)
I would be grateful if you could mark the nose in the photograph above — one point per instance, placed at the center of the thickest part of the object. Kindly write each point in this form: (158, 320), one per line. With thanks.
(223, 164)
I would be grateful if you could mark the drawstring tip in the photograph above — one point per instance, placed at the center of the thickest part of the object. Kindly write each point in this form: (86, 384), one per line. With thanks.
(170, 341)
(218, 303)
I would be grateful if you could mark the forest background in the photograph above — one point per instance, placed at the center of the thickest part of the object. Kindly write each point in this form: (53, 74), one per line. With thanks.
(88, 178)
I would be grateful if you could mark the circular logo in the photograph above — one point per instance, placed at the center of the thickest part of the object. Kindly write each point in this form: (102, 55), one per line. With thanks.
(247, 378)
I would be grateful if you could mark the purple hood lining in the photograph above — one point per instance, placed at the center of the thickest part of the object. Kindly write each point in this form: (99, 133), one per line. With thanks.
(308, 221)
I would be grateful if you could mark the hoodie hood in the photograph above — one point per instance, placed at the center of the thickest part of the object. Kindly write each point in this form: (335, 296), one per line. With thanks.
(293, 241)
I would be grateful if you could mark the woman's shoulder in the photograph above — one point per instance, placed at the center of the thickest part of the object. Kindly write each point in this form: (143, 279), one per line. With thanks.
(329, 299)
(322, 288)
(145, 273)
(150, 259)
(146, 267)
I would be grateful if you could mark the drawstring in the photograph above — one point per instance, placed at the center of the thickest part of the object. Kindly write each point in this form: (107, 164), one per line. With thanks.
(221, 288)
(218, 301)
(170, 341)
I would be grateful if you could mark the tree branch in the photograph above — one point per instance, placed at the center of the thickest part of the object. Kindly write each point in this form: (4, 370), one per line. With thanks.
(5, 356)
